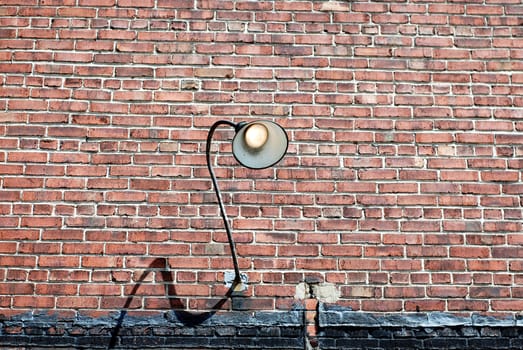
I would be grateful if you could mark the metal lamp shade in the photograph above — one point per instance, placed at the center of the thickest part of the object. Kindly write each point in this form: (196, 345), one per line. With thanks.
(266, 155)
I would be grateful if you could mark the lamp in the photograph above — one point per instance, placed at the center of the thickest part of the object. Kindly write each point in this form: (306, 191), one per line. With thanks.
(256, 145)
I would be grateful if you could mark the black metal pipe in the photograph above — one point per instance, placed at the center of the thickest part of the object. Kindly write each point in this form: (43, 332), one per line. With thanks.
(236, 126)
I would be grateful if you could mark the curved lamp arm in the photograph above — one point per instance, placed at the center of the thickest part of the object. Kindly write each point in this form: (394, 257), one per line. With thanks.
(237, 276)
(256, 145)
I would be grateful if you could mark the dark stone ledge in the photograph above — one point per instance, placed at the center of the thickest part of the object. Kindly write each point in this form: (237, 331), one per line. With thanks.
(336, 328)
(173, 330)
(336, 316)
(342, 328)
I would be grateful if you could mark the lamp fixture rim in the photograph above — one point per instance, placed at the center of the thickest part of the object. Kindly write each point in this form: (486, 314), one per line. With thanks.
(243, 126)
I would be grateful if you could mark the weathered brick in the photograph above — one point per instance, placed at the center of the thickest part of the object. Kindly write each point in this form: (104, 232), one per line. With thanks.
(400, 184)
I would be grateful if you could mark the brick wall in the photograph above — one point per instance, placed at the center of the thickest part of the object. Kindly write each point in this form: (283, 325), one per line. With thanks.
(401, 191)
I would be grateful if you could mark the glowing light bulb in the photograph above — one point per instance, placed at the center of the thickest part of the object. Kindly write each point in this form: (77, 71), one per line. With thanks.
(256, 136)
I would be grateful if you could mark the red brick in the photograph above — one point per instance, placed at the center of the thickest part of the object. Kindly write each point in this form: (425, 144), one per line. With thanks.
(400, 171)
(298, 250)
(506, 305)
(101, 262)
(487, 265)
(98, 289)
(16, 288)
(77, 302)
(23, 183)
(268, 290)
(146, 184)
(445, 265)
(381, 305)
(39, 302)
(36, 221)
(425, 305)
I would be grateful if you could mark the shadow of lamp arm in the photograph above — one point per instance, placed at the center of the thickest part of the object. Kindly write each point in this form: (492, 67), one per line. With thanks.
(256, 145)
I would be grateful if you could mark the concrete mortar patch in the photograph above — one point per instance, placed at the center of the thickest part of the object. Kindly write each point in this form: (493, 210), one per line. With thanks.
(327, 293)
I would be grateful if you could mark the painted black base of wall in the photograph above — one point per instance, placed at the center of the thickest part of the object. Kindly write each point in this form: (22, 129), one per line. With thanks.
(336, 328)
(421, 338)
(340, 328)
(172, 330)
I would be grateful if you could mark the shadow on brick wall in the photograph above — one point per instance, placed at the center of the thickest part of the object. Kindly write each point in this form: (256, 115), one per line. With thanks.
(175, 328)
(188, 319)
